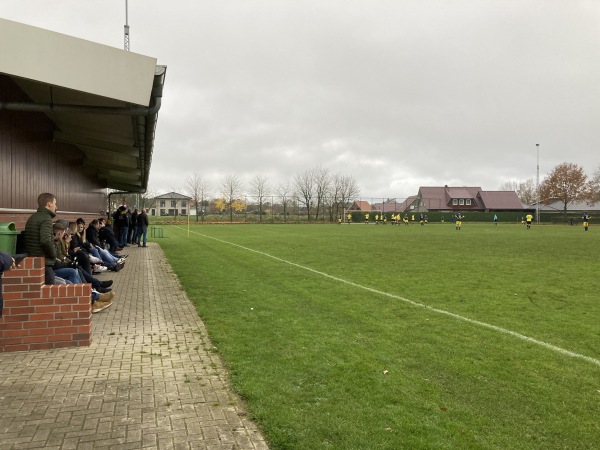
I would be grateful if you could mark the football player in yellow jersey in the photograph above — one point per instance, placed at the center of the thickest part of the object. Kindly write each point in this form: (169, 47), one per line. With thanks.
(367, 218)
(458, 222)
(528, 220)
(586, 221)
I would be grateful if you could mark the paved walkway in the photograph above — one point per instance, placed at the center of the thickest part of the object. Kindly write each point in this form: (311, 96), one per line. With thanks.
(150, 379)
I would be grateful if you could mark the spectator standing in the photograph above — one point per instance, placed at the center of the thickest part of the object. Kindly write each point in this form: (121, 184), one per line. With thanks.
(132, 237)
(142, 225)
(6, 263)
(122, 224)
(39, 238)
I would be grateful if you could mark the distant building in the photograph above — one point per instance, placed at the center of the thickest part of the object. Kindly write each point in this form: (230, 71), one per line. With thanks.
(577, 208)
(465, 199)
(393, 205)
(360, 205)
(171, 204)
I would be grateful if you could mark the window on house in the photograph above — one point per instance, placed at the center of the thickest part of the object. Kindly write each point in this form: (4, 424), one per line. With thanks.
(162, 212)
(183, 202)
(455, 201)
(162, 204)
(184, 212)
(468, 201)
(173, 203)
(461, 201)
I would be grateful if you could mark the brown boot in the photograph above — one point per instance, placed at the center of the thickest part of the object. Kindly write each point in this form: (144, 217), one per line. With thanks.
(98, 306)
(108, 297)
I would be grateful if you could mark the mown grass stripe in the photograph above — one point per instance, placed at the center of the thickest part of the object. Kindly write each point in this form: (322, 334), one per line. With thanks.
(502, 330)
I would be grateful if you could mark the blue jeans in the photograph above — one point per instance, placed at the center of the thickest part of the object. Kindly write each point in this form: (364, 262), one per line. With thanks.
(104, 255)
(123, 241)
(72, 276)
(69, 274)
(142, 231)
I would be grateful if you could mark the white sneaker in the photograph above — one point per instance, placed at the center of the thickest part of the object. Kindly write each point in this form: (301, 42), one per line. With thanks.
(99, 268)
(95, 260)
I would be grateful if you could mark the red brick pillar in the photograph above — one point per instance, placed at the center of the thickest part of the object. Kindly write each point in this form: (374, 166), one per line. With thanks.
(38, 316)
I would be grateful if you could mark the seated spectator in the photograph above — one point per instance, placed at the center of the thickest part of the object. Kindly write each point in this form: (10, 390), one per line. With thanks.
(64, 268)
(76, 253)
(106, 234)
(78, 246)
(92, 237)
(87, 275)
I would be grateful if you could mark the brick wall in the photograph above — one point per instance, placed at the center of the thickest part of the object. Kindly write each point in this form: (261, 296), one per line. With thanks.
(20, 218)
(38, 316)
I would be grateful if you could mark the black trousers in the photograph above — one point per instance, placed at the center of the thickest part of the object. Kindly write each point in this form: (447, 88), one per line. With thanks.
(49, 275)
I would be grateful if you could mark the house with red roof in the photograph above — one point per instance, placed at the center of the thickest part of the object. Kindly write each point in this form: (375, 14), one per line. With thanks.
(466, 198)
(393, 205)
(360, 205)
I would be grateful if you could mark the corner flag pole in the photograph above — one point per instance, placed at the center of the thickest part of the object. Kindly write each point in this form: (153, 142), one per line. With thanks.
(188, 226)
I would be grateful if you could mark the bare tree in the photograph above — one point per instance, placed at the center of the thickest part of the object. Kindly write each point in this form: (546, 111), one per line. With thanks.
(512, 185)
(148, 199)
(595, 187)
(335, 199)
(231, 188)
(525, 190)
(283, 190)
(322, 186)
(304, 184)
(260, 189)
(349, 190)
(197, 188)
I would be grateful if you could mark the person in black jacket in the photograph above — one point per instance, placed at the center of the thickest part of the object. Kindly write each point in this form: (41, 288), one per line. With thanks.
(142, 223)
(39, 239)
(91, 234)
(7, 262)
(122, 225)
(132, 237)
(106, 234)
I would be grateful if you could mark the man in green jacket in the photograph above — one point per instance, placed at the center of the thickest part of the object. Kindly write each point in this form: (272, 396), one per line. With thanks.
(39, 238)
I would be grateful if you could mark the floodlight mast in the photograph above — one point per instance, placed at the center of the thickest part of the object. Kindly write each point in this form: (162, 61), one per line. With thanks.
(537, 184)
(126, 28)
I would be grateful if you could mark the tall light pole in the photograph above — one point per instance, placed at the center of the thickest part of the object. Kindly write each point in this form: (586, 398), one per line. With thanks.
(537, 186)
(126, 28)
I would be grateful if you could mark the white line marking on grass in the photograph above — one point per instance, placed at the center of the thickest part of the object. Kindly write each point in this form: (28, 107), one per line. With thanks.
(417, 304)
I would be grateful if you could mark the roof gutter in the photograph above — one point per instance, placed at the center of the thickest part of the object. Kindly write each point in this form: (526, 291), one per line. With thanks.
(107, 110)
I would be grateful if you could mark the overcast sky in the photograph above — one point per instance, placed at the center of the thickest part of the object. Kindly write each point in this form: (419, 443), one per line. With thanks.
(399, 94)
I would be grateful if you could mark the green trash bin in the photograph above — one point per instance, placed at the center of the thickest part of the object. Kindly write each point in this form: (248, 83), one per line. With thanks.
(8, 237)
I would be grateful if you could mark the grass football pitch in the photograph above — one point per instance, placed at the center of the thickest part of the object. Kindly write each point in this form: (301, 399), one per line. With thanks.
(393, 337)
